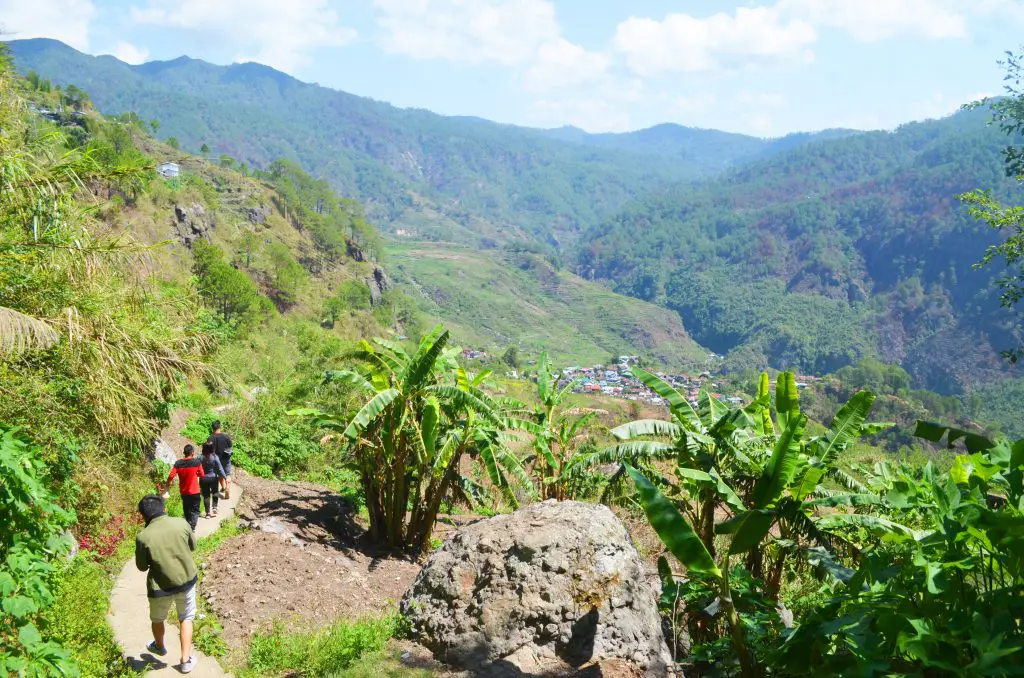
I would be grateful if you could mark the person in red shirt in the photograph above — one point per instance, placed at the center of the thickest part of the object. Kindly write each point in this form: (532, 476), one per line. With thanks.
(188, 471)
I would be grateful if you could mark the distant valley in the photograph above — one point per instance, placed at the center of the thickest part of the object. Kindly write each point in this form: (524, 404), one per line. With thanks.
(809, 252)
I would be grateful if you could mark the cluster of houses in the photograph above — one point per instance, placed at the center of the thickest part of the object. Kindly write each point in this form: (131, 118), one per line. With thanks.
(619, 381)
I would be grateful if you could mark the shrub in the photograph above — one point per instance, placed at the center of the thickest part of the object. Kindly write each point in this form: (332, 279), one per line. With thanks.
(318, 653)
(31, 540)
(77, 619)
(266, 441)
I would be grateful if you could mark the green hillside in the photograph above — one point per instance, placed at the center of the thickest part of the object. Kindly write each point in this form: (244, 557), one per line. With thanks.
(547, 183)
(495, 299)
(827, 253)
(712, 149)
(367, 149)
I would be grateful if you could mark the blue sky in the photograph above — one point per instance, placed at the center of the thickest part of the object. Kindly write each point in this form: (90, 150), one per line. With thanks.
(766, 67)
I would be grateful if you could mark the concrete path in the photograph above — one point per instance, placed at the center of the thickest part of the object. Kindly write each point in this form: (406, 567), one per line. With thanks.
(129, 613)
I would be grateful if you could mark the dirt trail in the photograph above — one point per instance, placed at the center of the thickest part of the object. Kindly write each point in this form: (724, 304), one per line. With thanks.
(302, 564)
(129, 613)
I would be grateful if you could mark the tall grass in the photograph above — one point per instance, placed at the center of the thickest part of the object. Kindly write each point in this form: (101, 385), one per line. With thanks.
(321, 652)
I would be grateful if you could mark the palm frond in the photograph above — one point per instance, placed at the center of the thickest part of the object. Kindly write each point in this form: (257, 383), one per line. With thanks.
(20, 332)
(646, 427)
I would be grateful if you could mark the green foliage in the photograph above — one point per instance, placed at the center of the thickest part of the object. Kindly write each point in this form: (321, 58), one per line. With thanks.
(511, 357)
(1000, 404)
(31, 541)
(390, 157)
(322, 652)
(489, 301)
(923, 567)
(266, 442)
(287, 277)
(559, 436)
(78, 619)
(353, 295)
(875, 376)
(228, 290)
(816, 257)
(736, 463)
(1006, 220)
(939, 595)
(420, 415)
(336, 224)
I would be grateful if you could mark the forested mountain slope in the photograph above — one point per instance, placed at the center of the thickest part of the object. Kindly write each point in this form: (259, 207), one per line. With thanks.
(712, 149)
(543, 182)
(827, 253)
(367, 149)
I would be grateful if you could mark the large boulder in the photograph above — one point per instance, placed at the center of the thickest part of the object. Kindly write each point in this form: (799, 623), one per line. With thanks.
(192, 223)
(554, 583)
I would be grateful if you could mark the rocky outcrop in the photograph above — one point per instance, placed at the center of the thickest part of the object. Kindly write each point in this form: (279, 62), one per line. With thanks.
(354, 251)
(257, 215)
(164, 452)
(552, 584)
(379, 283)
(192, 223)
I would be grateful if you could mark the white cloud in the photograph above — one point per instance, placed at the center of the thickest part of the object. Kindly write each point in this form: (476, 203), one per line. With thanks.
(695, 103)
(871, 20)
(761, 99)
(591, 114)
(560, 63)
(64, 20)
(761, 125)
(507, 32)
(129, 53)
(279, 34)
(683, 43)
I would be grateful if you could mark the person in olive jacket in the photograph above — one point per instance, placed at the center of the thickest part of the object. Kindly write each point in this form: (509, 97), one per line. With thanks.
(164, 549)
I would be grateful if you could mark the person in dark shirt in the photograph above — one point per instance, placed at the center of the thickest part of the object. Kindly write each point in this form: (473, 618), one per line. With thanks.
(213, 474)
(222, 446)
(188, 471)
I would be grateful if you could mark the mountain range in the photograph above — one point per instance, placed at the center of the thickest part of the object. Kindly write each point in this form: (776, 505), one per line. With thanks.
(549, 184)
(808, 252)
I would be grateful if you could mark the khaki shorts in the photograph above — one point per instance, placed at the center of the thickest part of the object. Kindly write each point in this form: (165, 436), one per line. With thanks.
(184, 601)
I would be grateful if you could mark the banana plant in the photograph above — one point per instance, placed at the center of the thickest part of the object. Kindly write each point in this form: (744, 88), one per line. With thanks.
(421, 415)
(557, 433)
(740, 475)
(938, 589)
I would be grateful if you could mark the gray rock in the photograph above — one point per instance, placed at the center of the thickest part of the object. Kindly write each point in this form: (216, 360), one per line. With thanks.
(379, 283)
(557, 581)
(355, 251)
(163, 452)
(257, 215)
(192, 223)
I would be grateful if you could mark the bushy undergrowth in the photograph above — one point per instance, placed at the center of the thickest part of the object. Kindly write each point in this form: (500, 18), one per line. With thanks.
(322, 652)
(266, 441)
(77, 620)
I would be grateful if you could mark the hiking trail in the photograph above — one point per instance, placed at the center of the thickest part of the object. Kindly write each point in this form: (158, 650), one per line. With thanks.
(129, 613)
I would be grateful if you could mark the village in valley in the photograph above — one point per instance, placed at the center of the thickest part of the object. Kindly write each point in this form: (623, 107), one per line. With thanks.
(617, 380)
